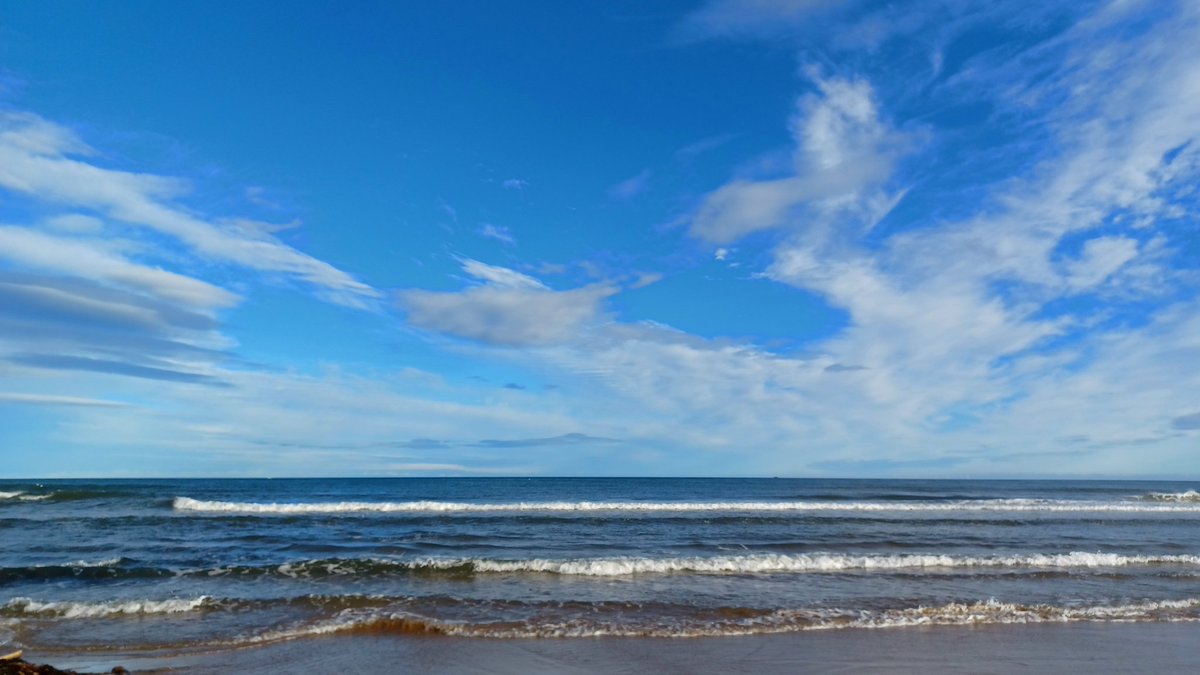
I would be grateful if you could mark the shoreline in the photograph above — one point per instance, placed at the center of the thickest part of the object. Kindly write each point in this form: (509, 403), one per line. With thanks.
(1094, 647)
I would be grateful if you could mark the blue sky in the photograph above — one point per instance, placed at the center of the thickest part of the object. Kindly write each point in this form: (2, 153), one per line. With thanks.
(733, 237)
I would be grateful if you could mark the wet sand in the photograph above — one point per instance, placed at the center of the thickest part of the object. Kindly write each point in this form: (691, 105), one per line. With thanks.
(1062, 648)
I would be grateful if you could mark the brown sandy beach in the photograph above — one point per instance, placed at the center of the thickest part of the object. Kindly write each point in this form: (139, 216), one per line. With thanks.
(1043, 648)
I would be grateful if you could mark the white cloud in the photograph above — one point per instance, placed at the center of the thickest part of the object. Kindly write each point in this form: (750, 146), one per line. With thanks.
(76, 223)
(257, 195)
(498, 232)
(501, 277)
(78, 301)
(840, 126)
(35, 136)
(275, 423)
(630, 187)
(742, 207)
(88, 259)
(51, 324)
(432, 467)
(845, 153)
(1127, 393)
(1100, 259)
(644, 279)
(54, 400)
(510, 308)
(36, 158)
(693, 150)
(955, 354)
(506, 316)
(950, 323)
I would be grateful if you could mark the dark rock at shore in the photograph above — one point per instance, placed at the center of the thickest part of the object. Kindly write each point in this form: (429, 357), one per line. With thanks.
(23, 667)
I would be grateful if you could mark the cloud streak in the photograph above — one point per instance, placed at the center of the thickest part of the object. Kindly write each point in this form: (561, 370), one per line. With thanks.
(957, 324)
(554, 441)
(88, 259)
(55, 400)
(45, 161)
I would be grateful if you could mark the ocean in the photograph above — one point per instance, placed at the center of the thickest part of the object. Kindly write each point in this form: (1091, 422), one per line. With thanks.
(176, 566)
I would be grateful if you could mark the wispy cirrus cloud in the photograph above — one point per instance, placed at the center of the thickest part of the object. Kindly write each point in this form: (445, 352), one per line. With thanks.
(630, 187)
(754, 18)
(93, 287)
(49, 163)
(999, 212)
(56, 400)
(564, 439)
(330, 423)
(68, 323)
(498, 232)
(89, 259)
(959, 324)
(430, 467)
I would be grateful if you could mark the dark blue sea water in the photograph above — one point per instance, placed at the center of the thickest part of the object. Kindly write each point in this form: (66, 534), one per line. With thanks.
(200, 564)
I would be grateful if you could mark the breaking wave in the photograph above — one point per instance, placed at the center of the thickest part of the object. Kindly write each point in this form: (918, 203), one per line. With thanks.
(24, 496)
(732, 564)
(616, 566)
(741, 621)
(814, 563)
(1189, 497)
(62, 495)
(90, 610)
(998, 505)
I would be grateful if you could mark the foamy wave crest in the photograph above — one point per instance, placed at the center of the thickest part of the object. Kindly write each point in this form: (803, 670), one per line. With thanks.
(1191, 496)
(88, 610)
(768, 563)
(108, 562)
(740, 621)
(998, 505)
(760, 563)
(24, 496)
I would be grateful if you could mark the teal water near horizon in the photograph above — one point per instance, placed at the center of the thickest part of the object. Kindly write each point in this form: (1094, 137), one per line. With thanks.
(99, 565)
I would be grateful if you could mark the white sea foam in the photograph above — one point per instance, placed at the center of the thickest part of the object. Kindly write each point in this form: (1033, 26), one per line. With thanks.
(779, 621)
(996, 505)
(108, 562)
(89, 610)
(744, 564)
(993, 611)
(24, 497)
(819, 562)
(751, 563)
(1190, 496)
